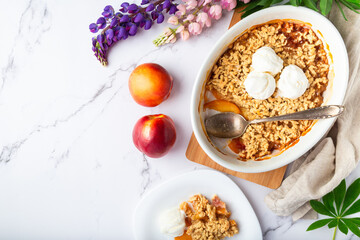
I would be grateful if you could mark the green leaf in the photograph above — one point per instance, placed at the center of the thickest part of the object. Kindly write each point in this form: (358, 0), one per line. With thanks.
(264, 2)
(250, 6)
(319, 224)
(295, 2)
(247, 13)
(333, 223)
(353, 1)
(348, 6)
(325, 6)
(320, 208)
(339, 193)
(276, 2)
(354, 220)
(240, 4)
(352, 226)
(311, 4)
(342, 227)
(351, 195)
(355, 5)
(353, 209)
(328, 201)
(341, 10)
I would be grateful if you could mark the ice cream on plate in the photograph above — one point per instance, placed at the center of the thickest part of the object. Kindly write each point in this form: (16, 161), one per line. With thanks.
(266, 60)
(292, 83)
(260, 85)
(172, 222)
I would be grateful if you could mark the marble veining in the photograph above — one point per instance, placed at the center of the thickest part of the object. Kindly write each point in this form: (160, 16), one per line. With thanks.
(34, 22)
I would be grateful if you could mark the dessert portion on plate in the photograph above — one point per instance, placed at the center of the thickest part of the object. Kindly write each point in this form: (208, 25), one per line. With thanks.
(198, 219)
(272, 69)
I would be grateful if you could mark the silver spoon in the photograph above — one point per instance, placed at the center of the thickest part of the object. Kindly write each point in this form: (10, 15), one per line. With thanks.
(231, 125)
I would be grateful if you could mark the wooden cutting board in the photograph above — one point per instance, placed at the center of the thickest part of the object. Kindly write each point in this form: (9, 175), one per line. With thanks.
(271, 179)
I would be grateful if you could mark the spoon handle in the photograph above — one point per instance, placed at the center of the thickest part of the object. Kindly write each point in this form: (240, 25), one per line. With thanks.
(310, 114)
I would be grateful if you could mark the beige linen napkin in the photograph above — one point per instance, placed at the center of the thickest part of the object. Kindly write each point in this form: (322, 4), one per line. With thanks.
(324, 168)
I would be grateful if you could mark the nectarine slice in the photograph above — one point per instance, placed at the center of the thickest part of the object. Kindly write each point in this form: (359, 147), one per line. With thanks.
(222, 106)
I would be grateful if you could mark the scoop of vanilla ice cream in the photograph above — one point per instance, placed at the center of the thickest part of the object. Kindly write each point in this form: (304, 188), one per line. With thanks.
(260, 85)
(172, 222)
(292, 83)
(266, 60)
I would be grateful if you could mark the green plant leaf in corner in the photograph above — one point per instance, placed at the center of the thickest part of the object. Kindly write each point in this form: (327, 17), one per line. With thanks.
(248, 12)
(276, 2)
(349, 6)
(354, 220)
(341, 10)
(333, 223)
(345, 204)
(311, 4)
(354, 3)
(351, 195)
(295, 2)
(342, 227)
(319, 224)
(352, 226)
(320, 208)
(250, 6)
(328, 201)
(339, 194)
(240, 4)
(325, 6)
(353, 209)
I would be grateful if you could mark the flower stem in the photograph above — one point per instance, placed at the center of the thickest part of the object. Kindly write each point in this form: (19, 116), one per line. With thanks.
(334, 233)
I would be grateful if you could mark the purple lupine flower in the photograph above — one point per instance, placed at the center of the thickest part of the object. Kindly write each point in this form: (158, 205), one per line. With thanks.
(124, 7)
(101, 22)
(154, 15)
(133, 8)
(133, 30)
(142, 23)
(159, 7)
(124, 19)
(166, 4)
(93, 28)
(173, 9)
(150, 8)
(138, 18)
(108, 11)
(100, 38)
(109, 34)
(118, 26)
(148, 24)
(122, 33)
(114, 22)
(160, 18)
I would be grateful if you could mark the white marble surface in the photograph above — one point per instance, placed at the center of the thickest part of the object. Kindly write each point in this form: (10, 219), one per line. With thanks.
(68, 167)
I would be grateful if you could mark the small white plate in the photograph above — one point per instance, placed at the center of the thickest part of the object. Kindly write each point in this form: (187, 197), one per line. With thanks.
(173, 192)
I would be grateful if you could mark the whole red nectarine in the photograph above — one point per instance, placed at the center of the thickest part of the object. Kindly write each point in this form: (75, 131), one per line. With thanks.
(150, 84)
(154, 135)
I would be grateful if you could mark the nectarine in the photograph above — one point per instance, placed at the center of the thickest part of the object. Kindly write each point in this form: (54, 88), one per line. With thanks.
(150, 84)
(223, 106)
(154, 135)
